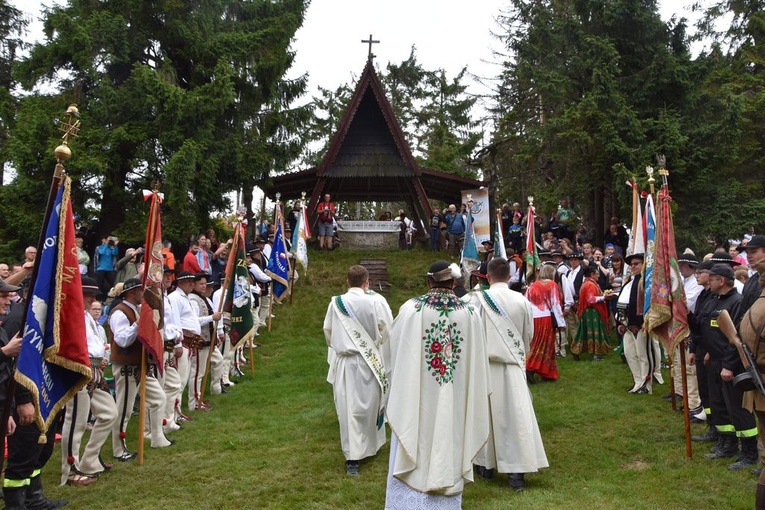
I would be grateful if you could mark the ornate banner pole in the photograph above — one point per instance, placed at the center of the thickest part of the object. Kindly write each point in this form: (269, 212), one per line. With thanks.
(297, 228)
(70, 127)
(240, 215)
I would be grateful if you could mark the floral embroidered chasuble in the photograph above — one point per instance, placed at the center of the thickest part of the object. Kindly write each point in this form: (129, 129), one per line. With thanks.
(438, 400)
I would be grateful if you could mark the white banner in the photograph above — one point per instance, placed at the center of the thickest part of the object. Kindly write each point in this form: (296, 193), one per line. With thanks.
(480, 213)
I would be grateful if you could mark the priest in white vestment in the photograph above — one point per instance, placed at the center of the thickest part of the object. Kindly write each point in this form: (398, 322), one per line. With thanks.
(515, 444)
(438, 406)
(356, 328)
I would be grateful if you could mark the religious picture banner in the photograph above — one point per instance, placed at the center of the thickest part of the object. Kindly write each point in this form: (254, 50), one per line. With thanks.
(668, 313)
(480, 212)
(469, 257)
(300, 238)
(151, 319)
(238, 296)
(53, 363)
(650, 251)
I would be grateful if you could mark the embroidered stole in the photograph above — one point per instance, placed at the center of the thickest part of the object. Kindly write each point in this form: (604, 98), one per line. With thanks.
(505, 327)
(365, 345)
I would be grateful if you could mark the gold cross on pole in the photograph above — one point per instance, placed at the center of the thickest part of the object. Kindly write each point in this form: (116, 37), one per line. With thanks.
(71, 126)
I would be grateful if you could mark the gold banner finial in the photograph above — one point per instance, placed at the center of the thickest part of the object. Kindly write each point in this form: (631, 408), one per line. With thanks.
(70, 127)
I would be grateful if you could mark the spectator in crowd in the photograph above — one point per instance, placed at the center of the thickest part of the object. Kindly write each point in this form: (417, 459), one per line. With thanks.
(507, 219)
(515, 233)
(127, 266)
(83, 259)
(455, 227)
(326, 212)
(435, 230)
(167, 254)
(105, 262)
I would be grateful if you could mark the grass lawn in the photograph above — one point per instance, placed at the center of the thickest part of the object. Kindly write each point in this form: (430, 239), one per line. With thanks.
(273, 442)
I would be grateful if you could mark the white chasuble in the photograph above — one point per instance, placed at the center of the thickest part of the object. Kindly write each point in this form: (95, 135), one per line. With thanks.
(356, 328)
(438, 401)
(515, 444)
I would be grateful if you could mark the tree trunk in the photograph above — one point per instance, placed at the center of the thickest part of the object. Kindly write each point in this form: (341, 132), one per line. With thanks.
(115, 199)
(247, 201)
(598, 219)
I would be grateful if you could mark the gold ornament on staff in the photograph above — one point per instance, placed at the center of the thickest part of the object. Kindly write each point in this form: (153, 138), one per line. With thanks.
(651, 180)
(661, 160)
(70, 127)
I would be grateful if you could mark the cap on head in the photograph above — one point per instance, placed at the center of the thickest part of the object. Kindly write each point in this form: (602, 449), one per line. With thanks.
(723, 270)
(7, 287)
(757, 241)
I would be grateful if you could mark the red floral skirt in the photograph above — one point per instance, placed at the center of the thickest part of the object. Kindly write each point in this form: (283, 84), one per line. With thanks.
(541, 357)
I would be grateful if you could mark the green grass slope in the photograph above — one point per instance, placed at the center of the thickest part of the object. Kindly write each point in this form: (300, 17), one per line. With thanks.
(273, 442)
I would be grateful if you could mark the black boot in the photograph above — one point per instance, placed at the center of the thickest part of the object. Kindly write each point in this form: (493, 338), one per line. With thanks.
(516, 481)
(710, 436)
(726, 447)
(14, 498)
(749, 455)
(36, 500)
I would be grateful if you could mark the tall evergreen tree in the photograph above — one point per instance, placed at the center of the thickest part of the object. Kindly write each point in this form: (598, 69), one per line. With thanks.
(12, 27)
(586, 85)
(192, 94)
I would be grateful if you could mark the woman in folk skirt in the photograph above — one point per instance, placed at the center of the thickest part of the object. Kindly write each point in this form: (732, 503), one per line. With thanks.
(592, 333)
(545, 298)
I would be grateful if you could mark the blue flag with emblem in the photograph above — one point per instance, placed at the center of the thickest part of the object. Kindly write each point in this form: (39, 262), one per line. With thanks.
(650, 252)
(53, 363)
(470, 259)
(278, 267)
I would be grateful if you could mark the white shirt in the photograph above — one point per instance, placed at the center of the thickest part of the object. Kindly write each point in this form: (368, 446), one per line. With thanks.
(172, 331)
(216, 297)
(567, 282)
(692, 291)
(203, 319)
(258, 273)
(96, 348)
(123, 332)
(187, 316)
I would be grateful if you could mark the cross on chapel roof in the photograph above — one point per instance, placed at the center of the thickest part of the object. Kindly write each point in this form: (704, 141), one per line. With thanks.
(370, 41)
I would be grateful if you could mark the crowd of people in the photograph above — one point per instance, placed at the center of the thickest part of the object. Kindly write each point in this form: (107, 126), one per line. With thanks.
(580, 303)
(478, 347)
(194, 329)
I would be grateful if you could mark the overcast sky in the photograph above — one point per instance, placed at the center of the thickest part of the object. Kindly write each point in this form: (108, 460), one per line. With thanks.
(449, 34)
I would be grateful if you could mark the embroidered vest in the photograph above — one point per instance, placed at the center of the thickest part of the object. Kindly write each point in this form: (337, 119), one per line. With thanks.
(204, 310)
(130, 355)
